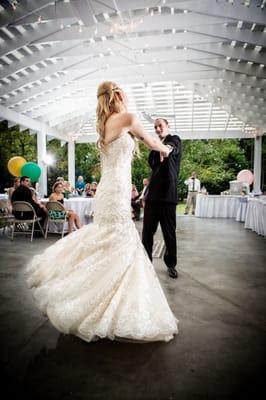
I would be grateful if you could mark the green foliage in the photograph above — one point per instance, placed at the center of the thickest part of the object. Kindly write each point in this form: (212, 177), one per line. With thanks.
(88, 161)
(216, 162)
(14, 143)
(140, 167)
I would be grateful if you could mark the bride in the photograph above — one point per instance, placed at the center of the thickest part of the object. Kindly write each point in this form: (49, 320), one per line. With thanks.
(98, 282)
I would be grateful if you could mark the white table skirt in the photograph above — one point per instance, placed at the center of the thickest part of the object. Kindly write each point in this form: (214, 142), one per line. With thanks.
(256, 216)
(82, 206)
(215, 206)
(242, 210)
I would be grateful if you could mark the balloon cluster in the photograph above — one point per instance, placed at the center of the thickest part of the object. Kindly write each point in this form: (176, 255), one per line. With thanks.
(18, 166)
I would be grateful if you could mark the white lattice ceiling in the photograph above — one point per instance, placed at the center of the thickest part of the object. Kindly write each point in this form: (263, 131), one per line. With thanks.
(199, 63)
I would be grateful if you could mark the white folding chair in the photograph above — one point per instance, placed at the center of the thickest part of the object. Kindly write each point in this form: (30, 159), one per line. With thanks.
(23, 207)
(56, 206)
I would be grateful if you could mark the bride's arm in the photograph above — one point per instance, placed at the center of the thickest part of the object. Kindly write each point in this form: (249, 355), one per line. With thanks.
(133, 125)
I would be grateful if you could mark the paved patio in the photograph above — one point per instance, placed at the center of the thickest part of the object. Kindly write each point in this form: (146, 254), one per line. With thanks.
(219, 299)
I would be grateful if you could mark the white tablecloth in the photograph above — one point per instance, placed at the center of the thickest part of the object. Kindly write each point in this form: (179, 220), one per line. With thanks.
(82, 206)
(242, 210)
(256, 215)
(215, 206)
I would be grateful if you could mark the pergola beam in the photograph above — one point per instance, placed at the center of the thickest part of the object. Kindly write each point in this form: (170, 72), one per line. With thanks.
(42, 55)
(230, 33)
(42, 33)
(188, 135)
(226, 50)
(236, 11)
(20, 119)
(44, 72)
(234, 66)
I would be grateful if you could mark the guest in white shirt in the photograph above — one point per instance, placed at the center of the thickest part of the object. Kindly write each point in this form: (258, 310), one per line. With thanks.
(193, 185)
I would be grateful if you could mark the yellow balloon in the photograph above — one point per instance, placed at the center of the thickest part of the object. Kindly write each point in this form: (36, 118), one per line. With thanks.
(15, 164)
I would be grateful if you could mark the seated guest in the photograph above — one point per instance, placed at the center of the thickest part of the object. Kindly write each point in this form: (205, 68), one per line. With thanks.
(144, 192)
(11, 190)
(135, 204)
(94, 187)
(24, 193)
(57, 195)
(88, 192)
(60, 179)
(80, 185)
(68, 189)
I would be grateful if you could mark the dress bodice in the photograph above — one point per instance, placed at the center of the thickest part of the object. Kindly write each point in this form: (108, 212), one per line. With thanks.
(112, 200)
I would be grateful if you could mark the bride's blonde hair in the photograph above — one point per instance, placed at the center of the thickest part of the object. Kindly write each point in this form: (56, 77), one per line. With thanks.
(108, 104)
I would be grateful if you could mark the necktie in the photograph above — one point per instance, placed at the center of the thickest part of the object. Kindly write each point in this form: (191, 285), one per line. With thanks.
(193, 185)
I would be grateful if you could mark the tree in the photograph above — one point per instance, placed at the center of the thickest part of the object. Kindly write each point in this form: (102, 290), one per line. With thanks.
(14, 143)
(216, 162)
(88, 161)
(140, 167)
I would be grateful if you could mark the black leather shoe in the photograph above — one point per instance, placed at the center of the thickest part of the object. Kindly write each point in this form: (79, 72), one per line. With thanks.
(172, 272)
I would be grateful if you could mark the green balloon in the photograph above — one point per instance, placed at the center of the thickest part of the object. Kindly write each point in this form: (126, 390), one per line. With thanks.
(32, 170)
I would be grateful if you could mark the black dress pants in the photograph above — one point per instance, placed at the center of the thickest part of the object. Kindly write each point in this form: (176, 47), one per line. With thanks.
(165, 213)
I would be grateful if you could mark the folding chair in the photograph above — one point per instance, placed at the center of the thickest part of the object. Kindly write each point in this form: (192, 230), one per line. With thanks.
(22, 207)
(57, 214)
(5, 218)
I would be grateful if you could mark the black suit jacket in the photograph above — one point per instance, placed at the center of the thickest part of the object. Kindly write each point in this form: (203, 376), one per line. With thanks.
(23, 193)
(164, 176)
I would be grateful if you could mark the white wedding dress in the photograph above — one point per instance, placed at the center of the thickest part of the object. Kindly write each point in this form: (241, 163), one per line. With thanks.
(98, 281)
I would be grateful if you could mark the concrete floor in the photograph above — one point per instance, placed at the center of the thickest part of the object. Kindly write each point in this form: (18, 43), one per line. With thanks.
(219, 299)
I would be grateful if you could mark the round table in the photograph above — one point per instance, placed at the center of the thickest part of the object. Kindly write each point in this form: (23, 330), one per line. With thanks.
(217, 206)
(256, 215)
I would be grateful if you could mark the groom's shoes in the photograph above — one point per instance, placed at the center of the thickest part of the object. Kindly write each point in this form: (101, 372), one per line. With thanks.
(172, 272)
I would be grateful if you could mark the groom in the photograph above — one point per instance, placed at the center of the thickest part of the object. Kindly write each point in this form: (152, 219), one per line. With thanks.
(161, 198)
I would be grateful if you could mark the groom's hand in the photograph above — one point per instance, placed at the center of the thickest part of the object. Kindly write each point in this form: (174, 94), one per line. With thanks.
(165, 154)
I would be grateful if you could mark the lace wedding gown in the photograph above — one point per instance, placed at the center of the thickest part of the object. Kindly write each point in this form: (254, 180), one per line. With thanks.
(98, 281)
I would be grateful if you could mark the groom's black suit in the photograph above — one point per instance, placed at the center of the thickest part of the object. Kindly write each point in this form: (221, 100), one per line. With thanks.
(161, 200)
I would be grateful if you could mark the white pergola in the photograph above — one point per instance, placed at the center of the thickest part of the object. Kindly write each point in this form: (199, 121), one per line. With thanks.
(198, 63)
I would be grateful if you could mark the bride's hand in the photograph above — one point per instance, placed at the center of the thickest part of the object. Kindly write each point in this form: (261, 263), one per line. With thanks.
(165, 154)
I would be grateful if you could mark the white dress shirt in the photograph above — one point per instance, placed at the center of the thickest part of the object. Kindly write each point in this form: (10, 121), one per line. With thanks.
(193, 186)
